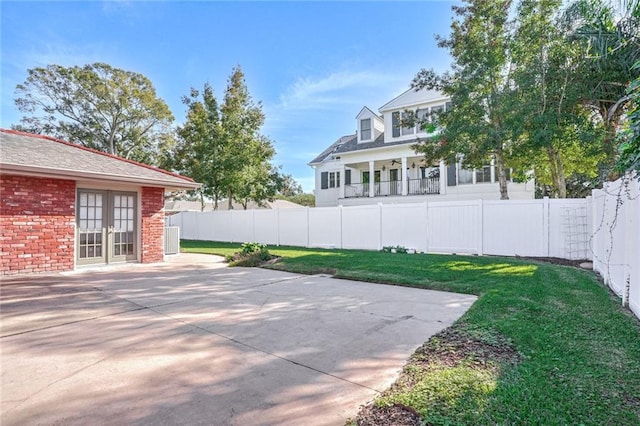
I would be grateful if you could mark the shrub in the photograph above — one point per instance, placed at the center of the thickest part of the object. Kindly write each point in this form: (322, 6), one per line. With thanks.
(250, 254)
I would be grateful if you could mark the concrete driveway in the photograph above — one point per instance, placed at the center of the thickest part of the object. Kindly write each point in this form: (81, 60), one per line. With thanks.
(194, 342)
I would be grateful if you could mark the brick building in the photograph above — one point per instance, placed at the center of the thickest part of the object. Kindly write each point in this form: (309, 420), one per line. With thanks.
(63, 206)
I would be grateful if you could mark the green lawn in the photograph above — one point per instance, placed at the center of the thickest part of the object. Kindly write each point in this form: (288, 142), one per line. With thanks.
(572, 353)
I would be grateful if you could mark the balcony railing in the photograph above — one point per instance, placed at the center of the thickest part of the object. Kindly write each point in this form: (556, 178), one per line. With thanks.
(393, 188)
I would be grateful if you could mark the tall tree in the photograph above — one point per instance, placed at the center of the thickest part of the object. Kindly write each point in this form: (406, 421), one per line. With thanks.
(221, 146)
(199, 152)
(249, 174)
(611, 32)
(546, 73)
(97, 106)
(629, 149)
(479, 86)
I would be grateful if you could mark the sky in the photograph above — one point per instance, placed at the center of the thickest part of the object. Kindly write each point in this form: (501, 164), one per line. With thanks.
(311, 65)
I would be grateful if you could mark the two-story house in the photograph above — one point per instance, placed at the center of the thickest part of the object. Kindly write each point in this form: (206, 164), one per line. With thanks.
(378, 165)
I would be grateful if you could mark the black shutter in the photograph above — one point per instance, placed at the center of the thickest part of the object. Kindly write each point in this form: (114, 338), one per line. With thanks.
(395, 124)
(324, 180)
(347, 177)
(451, 175)
(337, 179)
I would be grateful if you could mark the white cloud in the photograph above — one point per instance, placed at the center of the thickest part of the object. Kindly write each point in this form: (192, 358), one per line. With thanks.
(335, 89)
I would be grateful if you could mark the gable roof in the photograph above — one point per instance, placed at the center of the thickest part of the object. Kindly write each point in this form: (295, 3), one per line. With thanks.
(412, 97)
(39, 155)
(373, 114)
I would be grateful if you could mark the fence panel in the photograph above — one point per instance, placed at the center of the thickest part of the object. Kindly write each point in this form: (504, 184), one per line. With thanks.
(453, 227)
(242, 226)
(404, 225)
(266, 226)
(361, 227)
(324, 227)
(513, 227)
(191, 229)
(220, 224)
(294, 226)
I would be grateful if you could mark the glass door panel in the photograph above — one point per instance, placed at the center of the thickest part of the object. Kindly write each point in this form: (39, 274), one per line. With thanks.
(91, 227)
(122, 229)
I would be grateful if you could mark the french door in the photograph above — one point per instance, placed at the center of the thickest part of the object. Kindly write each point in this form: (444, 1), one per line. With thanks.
(106, 226)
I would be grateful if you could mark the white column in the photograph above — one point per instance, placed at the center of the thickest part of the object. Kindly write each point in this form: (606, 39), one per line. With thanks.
(342, 180)
(372, 188)
(404, 176)
(443, 178)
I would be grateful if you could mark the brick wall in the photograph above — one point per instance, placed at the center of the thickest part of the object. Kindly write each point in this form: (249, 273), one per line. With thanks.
(37, 230)
(152, 225)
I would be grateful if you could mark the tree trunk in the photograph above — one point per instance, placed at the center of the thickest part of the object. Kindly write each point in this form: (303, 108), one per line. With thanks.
(230, 200)
(202, 203)
(557, 173)
(502, 176)
(215, 202)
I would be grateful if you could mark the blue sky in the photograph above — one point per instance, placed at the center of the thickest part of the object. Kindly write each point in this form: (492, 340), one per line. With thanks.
(313, 65)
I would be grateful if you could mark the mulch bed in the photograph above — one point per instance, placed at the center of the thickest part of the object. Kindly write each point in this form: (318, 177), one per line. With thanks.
(555, 261)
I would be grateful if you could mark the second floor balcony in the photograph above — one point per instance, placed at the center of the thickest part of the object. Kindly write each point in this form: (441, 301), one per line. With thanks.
(423, 186)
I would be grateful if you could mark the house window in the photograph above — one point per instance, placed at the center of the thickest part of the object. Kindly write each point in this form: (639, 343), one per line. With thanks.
(365, 129)
(483, 174)
(329, 180)
(347, 177)
(395, 124)
(407, 130)
(422, 119)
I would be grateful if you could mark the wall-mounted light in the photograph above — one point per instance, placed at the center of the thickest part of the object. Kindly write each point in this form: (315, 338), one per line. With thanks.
(384, 168)
(413, 165)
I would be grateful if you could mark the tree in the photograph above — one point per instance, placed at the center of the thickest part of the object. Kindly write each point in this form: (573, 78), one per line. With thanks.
(479, 86)
(546, 74)
(221, 146)
(97, 106)
(199, 152)
(246, 150)
(629, 149)
(289, 187)
(258, 180)
(611, 33)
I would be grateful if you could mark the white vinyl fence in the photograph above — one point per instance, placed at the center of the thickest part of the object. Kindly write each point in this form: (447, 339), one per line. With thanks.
(616, 239)
(556, 228)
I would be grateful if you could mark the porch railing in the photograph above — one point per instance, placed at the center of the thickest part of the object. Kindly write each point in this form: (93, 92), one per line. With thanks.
(393, 188)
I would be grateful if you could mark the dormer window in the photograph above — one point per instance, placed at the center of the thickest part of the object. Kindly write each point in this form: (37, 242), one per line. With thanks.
(365, 129)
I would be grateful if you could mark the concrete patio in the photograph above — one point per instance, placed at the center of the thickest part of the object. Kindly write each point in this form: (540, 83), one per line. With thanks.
(194, 342)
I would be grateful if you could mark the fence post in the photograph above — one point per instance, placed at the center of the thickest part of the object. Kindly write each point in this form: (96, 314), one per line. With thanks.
(379, 226)
(426, 228)
(630, 258)
(253, 220)
(480, 227)
(340, 223)
(545, 226)
(308, 224)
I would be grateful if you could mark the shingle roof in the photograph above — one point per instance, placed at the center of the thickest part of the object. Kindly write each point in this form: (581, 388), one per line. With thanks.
(350, 143)
(43, 155)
